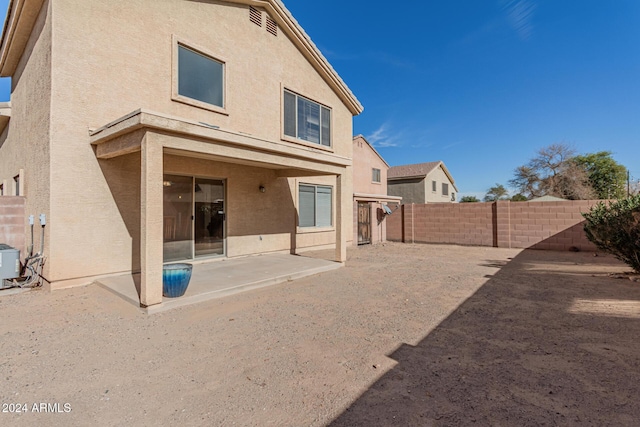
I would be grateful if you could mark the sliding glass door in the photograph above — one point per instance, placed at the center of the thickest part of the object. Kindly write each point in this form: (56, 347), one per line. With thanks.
(177, 224)
(193, 218)
(209, 217)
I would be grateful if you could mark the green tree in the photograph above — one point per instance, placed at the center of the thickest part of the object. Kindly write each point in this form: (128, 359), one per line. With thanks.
(607, 177)
(519, 198)
(497, 192)
(469, 199)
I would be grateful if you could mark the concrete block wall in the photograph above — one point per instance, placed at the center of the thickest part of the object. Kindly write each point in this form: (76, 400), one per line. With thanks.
(548, 225)
(394, 225)
(12, 222)
(536, 225)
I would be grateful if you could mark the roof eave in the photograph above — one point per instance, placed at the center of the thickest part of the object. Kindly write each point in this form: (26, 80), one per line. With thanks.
(5, 115)
(398, 178)
(373, 148)
(21, 17)
(301, 39)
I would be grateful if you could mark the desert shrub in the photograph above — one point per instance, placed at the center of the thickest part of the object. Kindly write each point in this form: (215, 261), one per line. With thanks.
(615, 228)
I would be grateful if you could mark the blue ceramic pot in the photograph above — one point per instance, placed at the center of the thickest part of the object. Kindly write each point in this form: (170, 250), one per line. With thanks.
(175, 279)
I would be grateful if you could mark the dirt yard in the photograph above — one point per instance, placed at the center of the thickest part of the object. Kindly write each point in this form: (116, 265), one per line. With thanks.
(406, 335)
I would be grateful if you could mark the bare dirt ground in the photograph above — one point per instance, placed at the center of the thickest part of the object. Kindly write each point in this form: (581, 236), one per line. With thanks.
(406, 335)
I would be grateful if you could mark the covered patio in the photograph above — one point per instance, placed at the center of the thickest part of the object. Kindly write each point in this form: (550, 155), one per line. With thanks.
(156, 138)
(216, 279)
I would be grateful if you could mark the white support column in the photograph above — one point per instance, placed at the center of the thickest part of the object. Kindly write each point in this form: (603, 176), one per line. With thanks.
(151, 208)
(341, 236)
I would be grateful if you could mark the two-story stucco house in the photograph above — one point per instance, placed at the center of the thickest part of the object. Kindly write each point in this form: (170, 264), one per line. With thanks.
(370, 199)
(429, 182)
(152, 131)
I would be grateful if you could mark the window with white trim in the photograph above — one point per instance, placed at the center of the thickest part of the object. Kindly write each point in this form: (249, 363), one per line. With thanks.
(315, 205)
(434, 187)
(200, 77)
(375, 175)
(445, 189)
(306, 120)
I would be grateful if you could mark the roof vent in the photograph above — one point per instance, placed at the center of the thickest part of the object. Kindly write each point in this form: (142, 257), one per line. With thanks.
(272, 26)
(255, 16)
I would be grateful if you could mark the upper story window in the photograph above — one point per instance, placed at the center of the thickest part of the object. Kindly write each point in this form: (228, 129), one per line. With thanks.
(306, 120)
(16, 183)
(200, 77)
(375, 175)
(1, 189)
(445, 189)
(434, 186)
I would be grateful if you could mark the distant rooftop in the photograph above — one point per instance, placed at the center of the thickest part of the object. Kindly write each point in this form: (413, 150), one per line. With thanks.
(418, 169)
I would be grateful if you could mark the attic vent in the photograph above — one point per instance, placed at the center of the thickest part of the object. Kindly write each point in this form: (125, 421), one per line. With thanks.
(272, 26)
(255, 16)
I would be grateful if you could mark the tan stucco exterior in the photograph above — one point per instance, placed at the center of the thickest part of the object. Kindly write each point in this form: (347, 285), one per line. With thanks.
(418, 188)
(440, 177)
(369, 193)
(109, 124)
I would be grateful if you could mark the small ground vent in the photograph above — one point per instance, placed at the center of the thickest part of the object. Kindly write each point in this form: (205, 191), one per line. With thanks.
(255, 16)
(272, 26)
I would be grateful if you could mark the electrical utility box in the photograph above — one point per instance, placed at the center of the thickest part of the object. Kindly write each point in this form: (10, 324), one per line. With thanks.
(9, 262)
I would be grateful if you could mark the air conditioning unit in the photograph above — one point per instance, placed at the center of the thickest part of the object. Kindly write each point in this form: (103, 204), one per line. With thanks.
(9, 262)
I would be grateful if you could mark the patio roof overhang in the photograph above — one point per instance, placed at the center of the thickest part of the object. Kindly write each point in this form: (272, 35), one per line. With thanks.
(377, 198)
(202, 140)
(154, 135)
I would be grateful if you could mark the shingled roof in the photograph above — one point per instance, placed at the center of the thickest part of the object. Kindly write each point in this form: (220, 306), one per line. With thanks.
(413, 171)
(418, 170)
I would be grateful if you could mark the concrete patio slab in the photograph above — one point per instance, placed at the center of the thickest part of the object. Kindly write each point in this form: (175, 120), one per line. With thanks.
(219, 278)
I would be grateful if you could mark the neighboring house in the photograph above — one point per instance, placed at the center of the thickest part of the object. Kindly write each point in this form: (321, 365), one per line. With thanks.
(370, 199)
(420, 183)
(547, 199)
(151, 131)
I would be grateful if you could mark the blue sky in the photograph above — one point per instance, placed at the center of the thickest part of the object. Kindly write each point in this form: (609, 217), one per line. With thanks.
(483, 84)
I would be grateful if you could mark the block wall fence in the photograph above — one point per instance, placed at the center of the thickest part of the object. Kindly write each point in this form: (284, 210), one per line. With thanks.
(12, 222)
(503, 224)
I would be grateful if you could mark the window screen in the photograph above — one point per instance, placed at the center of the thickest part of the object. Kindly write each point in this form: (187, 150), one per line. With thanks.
(433, 186)
(445, 189)
(306, 120)
(323, 210)
(375, 175)
(315, 206)
(307, 206)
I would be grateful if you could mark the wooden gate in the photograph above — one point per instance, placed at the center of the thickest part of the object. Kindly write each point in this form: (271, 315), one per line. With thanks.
(364, 223)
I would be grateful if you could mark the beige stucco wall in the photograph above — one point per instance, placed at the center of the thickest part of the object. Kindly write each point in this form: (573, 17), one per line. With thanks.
(364, 160)
(24, 144)
(439, 176)
(111, 58)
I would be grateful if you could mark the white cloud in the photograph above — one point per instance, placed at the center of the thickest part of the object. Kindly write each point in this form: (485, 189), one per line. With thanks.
(520, 16)
(382, 137)
(453, 144)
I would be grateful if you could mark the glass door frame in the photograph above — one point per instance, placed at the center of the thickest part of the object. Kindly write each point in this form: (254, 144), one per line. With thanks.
(193, 213)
